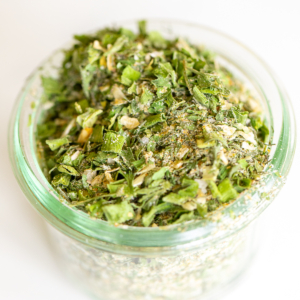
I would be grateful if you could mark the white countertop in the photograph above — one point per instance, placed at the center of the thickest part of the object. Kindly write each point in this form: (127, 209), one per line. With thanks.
(30, 30)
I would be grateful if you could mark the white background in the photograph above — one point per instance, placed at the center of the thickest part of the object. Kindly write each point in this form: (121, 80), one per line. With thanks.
(31, 30)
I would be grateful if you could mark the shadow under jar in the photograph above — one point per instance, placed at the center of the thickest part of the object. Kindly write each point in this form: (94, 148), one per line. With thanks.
(185, 261)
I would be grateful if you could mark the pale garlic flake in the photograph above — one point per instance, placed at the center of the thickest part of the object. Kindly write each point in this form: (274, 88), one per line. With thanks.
(129, 123)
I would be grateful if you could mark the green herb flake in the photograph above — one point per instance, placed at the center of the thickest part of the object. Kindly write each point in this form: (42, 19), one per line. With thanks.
(97, 135)
(68, 170)
(87, 74)
(200, 97)
(119, 43)
(118, 213)
(113, 142)
(57, 143)
(61, 179)
(146, 96)
(129, 75)
(160, 174)
(148, 217)
(51, 86)
(154, 119)
(227, 191)
(88, 119)
(185, 217)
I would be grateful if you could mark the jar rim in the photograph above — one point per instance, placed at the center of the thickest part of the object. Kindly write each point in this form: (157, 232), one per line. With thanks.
(80, 226)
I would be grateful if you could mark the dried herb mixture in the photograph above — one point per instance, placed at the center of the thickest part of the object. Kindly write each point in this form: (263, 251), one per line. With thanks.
(146, 131)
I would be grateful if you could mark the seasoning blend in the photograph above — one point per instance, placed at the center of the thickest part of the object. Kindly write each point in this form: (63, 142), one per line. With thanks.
(146, 131)
(150, 158)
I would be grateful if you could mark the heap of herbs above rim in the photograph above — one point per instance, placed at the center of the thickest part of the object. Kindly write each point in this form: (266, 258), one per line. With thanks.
(146, 131)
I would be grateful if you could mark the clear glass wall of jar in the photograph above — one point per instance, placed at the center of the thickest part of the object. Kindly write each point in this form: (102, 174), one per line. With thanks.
(157, 273)
(184, 261)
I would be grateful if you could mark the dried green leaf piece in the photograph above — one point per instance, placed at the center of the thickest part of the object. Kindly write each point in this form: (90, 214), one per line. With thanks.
(89, 118)
(142, 27)
(87, 74)
(46, 130)
(154, 119)
(68, 170)
(153, 192)
(200, 97)
(109, 38)
(61, 179)
(162, 82)
(119, 43)
(189, 192)
(243, 163)
(214, 190)
(256, 123)
(95, 209)
(164, 69)
(132, 89)
(149, 216)
(191, 188)
(115, 186)
(202, 144)
(84, 181)
(83, 38)
(113, 142)
(93, 54)
(128, 33)
(240, 116)
(213, 90)
(51, 86)
(202, 209)
(127, 157)
(118, 213)
(157, 40)
(97, 135)
(57, 143)
(185, 217)
(175, 198)
(242, 184)
(129, 75)
(84, 104)
(227, 191)
(146, 96)
(160, 174)
(157, 107)
(264, 132)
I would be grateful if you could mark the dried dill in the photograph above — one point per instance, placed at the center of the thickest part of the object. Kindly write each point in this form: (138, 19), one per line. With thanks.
(146, 131)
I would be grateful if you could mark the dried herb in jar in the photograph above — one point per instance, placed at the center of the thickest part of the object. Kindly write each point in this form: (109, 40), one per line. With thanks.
(146, 131)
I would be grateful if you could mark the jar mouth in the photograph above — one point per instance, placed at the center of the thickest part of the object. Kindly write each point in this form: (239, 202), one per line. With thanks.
(235, 216)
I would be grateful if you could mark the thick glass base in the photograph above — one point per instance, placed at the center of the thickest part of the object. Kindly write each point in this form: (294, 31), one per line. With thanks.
(202, 273)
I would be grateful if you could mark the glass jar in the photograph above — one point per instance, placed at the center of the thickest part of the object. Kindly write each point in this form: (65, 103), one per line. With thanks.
(185, 261)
